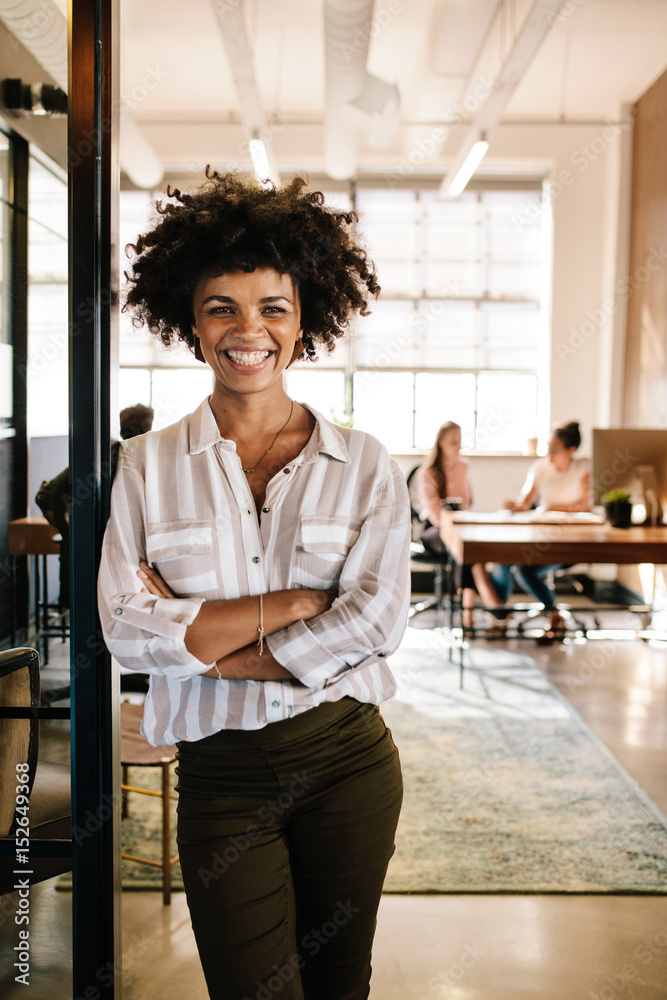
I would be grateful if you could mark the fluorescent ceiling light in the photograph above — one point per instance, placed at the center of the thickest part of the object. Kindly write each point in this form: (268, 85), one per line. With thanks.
(467, 168)
(260, 162)
(526, 44)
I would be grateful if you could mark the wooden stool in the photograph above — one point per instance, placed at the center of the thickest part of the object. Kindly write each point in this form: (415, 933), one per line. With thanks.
(34, 536)
(136, 751)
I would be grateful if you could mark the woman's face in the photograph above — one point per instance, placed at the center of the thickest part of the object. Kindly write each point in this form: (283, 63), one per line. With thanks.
(247, 325)
(450, 444)
(559, 455)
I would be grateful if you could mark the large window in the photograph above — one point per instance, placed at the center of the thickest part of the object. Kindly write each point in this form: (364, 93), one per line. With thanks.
(459, 333)
(47, 300)
(6, 402)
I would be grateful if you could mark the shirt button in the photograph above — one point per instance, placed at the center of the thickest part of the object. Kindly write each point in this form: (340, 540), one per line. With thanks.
(255, 559)
(287, 471)
(265, 510)
(382, 654)
(276, 704)
(119, 611)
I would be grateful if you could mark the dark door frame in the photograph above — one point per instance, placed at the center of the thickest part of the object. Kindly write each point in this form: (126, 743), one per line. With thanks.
(93, 202)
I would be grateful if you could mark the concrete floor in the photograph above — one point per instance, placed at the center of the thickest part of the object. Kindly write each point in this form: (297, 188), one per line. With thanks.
(454, 947)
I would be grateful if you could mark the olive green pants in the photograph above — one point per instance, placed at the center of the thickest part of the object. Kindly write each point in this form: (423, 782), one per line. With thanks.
(284, 837)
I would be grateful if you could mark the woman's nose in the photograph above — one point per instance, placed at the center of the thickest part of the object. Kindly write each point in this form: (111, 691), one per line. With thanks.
(249, 322)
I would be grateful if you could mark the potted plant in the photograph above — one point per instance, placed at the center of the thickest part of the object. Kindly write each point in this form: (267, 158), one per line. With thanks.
(618, 508)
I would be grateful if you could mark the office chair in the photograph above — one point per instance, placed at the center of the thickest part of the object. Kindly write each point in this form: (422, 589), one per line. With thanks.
(47, 785)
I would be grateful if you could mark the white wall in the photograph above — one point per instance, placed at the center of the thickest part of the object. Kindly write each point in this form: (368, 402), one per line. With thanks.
(589, 170)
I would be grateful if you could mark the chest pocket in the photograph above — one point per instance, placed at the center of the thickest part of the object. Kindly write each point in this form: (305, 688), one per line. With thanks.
(182, 552)
(322, 546)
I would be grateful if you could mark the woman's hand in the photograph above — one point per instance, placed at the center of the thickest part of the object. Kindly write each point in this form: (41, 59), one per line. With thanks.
(313, 602)
(153, 582)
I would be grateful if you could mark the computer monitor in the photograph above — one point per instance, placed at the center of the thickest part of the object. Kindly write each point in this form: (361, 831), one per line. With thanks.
(635, 460)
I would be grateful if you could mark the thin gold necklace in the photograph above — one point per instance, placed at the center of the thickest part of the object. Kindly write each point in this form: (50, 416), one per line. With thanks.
(257, 464)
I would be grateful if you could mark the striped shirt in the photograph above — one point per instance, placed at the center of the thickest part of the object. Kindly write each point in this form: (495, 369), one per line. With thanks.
(335, 518)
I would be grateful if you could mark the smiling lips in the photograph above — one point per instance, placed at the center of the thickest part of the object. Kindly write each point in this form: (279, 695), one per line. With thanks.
(247, 357)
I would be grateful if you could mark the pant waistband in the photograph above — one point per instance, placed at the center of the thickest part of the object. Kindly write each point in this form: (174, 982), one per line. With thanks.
(297, 728)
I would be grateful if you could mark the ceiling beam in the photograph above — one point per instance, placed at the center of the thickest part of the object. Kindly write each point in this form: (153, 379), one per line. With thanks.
(536, 27)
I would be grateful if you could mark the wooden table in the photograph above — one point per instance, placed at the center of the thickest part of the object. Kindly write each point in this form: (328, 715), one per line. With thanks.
(515, 540)
(34, 536)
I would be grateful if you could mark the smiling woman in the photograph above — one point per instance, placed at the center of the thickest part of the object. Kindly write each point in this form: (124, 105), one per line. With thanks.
(255, 565)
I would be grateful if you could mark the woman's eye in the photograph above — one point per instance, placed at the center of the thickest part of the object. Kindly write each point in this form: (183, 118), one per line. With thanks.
(274, 309)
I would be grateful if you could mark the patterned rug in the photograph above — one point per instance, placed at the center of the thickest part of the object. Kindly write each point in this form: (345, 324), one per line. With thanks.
(507, 789)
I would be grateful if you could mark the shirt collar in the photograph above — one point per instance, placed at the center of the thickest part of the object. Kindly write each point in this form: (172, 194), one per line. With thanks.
(203, 433)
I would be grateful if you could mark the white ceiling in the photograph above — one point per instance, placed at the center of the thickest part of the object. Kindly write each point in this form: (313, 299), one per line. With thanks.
(598, 56)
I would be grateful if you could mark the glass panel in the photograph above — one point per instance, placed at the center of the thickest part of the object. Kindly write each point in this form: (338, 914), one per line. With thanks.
(337, 358)
(178, 391)
(4, 237)
(510, 332)
(397, 277)
(48, 207)
(451, 228)
(136, 346)
(388, 225)
(383, 406)
(453, 279)
(508, 280)
(134, 386)
(323, 390)
(339, 200)
(448, 335)
(444, 397)
(506, 411)
(385, 338)
(48, 321)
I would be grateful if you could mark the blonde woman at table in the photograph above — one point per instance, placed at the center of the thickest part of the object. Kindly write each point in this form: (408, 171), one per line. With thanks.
(560, 482)
(444, 476)
(255, 564)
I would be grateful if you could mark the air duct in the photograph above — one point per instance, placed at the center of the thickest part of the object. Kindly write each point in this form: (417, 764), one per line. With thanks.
(239, 54)
(347, 30)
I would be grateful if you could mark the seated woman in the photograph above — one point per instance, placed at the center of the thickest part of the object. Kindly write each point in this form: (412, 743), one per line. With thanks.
(444, 475)
(560, 482)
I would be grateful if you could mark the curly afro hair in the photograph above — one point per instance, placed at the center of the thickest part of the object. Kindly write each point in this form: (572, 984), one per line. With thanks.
(232, 224)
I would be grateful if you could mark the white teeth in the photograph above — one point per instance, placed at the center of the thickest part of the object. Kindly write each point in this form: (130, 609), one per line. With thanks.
(243, 358)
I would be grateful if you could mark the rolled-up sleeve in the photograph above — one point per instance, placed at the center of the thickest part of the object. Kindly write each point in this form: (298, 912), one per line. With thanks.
(144, 633)
(367, 620)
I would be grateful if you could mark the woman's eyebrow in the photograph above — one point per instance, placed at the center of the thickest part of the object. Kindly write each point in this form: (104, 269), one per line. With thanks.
(229, 299)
